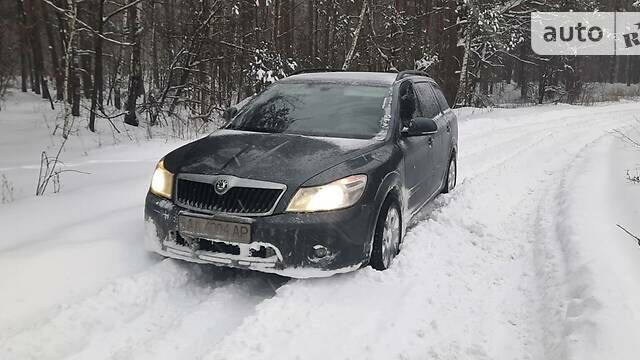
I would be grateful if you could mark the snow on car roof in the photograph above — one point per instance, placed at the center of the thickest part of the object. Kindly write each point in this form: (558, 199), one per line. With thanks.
(361, 78)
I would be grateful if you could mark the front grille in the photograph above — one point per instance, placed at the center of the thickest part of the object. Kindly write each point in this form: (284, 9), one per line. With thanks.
(237, 200)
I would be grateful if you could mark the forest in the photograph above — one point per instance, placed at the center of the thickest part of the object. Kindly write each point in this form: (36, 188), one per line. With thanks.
(161, 61)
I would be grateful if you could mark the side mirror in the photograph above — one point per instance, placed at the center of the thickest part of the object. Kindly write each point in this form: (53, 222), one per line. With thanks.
(422, 126)
(229, 113)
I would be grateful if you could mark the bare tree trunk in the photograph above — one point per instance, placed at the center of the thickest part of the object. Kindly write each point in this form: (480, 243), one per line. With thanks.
(331, 59)
(96, 96)
(39, 61)
(75, 83)
(613, 65)
(32, 70)
(46, 93)
(71, 30)
(36, 48)
(315, 37)
(292, 28)
(23, 43)
(628, 70)
(275, 23)
(542, 83)
(484, 80)
(521, 76)
(462, 97)
(354, 42)
(85, 69)
(55, 61)
(135, 75)
(310, 14)
(23, 70)
(427, 19)
(117, 101)
(155, 71)
(573, 84)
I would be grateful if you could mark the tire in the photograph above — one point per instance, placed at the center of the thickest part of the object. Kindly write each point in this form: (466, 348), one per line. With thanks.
(450, 181)
(387, 236)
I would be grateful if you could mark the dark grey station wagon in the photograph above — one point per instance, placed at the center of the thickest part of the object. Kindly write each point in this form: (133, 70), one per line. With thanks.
(318, 174)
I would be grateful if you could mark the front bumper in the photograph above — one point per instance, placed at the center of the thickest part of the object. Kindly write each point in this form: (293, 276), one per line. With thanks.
(285, 244)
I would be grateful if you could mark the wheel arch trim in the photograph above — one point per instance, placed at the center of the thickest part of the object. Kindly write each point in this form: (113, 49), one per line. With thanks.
(390, 183)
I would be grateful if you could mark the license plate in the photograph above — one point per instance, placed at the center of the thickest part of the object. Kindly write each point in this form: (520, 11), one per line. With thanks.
(214, 229)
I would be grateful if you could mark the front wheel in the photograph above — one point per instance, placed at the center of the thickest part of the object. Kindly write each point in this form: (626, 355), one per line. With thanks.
(386, 240)
(452, 174)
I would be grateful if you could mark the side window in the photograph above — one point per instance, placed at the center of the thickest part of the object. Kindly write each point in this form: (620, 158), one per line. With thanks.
(409, 107)
(428, 101)
(440, 96)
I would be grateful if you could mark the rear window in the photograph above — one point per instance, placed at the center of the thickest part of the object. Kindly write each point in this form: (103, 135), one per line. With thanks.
(441, 99)
(317, 109)
(428, 101)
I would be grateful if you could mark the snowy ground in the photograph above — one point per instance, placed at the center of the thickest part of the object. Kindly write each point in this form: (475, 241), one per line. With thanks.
(522, 261)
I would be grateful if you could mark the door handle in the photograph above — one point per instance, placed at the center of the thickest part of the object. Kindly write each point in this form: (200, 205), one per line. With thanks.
(430, 141)
(448, 128)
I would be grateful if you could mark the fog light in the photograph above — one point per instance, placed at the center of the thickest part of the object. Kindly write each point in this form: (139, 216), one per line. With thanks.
(320, 251)
(270, 253)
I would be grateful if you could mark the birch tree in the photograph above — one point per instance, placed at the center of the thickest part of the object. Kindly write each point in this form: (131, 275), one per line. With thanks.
(68, 117)
(356, 35)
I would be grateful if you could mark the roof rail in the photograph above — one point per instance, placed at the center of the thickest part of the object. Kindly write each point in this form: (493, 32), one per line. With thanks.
(403, 74)
(315, 70)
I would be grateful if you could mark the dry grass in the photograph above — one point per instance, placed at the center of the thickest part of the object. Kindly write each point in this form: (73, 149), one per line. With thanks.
(508, 95)
(6, 190)
(598, 92)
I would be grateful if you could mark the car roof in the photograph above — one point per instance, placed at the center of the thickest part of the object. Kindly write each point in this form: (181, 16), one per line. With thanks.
(347, 77)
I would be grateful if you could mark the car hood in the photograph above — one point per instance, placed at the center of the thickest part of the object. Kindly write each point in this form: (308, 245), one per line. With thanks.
(282, 158)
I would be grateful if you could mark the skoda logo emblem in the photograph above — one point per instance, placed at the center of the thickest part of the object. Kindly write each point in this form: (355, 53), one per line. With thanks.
(221, 186)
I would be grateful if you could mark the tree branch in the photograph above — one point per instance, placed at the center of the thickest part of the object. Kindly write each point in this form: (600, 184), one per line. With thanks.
(84, 25)
(116, 12)
(629, 233)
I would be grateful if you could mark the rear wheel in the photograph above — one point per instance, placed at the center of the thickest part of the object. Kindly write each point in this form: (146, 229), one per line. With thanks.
(452, 174)
(386, 240)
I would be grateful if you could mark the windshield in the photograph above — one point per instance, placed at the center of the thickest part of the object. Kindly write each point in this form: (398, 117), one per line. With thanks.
(317, 109)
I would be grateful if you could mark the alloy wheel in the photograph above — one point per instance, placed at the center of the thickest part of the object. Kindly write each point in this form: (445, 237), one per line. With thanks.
(451, 181)
(390, 236)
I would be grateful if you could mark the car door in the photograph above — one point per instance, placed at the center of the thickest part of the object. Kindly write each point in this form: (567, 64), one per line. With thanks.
(431, 110)
(449, 126)
(418, 150)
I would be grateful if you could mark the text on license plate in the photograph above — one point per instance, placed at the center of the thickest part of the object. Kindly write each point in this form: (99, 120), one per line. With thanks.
(214, 229)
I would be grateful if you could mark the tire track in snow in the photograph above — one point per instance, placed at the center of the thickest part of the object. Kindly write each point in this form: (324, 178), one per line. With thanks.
(478, 149)
(176, 324)
(566, 283)
(547, 264)
(143, 312)
(570, 146)
(118, 342)
(520, 143)
(439, 299)
(464, 285)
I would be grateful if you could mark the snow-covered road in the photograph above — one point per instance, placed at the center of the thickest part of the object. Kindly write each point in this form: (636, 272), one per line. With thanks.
(522, 261)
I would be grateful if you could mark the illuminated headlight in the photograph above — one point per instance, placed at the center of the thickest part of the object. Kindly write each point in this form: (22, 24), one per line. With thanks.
(336, 195)
(162, 181)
